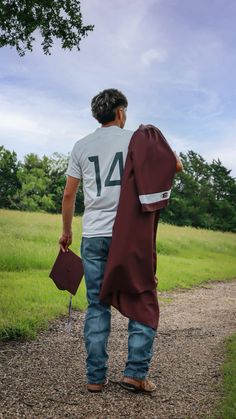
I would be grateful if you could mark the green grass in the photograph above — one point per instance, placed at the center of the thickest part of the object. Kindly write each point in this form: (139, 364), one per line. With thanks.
(188, 257)
(227, 406)
(28, 297)
(29, 246)
(29, 300)
(29, 240)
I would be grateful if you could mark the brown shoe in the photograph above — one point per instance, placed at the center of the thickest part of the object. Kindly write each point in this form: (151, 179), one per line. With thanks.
(97, 388)
(136, 386)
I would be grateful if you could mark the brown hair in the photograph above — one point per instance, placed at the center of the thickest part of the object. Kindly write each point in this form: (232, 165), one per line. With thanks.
(103, 105)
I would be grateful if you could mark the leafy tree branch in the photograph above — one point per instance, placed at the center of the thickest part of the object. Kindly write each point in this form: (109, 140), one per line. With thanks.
(54, 19)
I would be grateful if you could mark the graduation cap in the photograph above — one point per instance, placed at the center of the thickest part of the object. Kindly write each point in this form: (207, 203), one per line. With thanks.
(67, 271)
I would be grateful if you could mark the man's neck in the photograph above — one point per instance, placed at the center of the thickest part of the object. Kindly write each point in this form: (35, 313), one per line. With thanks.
(111, 124)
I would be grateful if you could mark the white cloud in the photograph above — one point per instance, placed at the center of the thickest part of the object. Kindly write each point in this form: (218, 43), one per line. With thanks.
(179, 144)
(152, 55)
(224, 146)
(226, 154)
(18, 122)
(34, 122)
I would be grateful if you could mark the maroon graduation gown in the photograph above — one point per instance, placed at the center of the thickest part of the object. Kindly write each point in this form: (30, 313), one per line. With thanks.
(129, 282)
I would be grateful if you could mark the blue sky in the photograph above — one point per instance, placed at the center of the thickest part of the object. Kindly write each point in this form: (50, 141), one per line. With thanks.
(174, 59)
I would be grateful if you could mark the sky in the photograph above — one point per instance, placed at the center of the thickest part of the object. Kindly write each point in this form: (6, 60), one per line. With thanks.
(175, 61)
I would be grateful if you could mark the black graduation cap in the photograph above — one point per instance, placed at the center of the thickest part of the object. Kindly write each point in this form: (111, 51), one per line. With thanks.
(67, 271)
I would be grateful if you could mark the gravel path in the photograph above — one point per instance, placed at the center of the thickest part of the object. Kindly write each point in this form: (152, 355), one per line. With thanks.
(46, 378)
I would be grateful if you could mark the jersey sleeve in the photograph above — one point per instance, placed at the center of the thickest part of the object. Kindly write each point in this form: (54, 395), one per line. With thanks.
(154, 165)
(74, 168)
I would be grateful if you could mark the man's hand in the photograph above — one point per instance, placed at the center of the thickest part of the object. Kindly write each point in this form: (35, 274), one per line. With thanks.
(65, 241)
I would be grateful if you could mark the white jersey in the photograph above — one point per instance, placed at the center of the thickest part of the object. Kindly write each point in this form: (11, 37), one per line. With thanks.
(99, 160)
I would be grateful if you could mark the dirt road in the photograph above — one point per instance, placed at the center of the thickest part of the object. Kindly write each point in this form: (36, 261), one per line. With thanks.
(46, 378)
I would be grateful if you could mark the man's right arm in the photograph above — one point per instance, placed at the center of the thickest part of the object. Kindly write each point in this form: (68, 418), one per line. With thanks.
(68, 206)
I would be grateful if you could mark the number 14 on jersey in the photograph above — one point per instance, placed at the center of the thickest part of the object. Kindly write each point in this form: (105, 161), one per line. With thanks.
(118, 160)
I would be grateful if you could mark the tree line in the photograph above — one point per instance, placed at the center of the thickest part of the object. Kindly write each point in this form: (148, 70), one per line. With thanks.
(36, 184)
(203, 195)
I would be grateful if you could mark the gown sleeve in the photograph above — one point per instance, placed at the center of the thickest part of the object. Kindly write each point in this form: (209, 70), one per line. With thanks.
(154, 165)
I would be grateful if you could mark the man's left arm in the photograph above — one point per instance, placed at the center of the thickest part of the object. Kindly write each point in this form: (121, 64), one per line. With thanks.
(68, 207)
(179, 164)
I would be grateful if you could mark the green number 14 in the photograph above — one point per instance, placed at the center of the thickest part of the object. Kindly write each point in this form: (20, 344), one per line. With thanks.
(118, 159)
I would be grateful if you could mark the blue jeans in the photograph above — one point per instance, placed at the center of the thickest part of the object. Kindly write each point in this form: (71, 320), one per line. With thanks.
(94, 251)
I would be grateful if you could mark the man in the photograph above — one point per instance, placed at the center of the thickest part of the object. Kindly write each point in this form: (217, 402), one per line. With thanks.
(99, 160)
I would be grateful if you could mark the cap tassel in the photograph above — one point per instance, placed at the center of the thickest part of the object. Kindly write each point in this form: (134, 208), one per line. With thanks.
(69, 322)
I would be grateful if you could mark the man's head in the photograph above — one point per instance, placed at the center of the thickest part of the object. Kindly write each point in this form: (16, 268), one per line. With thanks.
(109, 107)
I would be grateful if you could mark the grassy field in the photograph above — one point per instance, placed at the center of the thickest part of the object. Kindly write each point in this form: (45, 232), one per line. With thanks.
(227, 407)
(29, 299)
